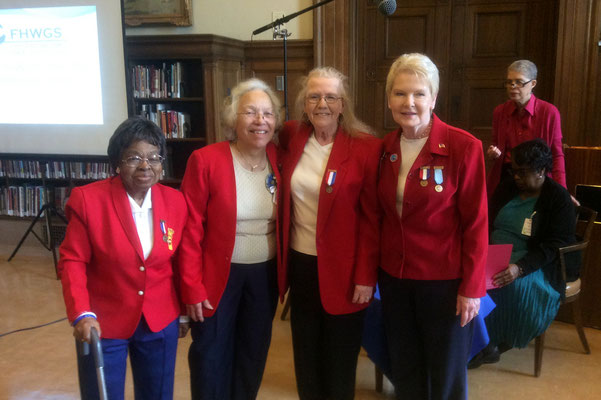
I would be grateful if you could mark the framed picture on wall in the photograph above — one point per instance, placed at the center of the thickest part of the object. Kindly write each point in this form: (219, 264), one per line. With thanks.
(158, 12)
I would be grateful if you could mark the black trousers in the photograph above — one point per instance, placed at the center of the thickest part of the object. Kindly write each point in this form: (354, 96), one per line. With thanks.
(229, 349)
(428, 348)
(325, 346)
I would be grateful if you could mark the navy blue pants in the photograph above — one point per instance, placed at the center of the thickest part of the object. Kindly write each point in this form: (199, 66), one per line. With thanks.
(229, 349)
(152, 358)
(428, 348)
(326, 346)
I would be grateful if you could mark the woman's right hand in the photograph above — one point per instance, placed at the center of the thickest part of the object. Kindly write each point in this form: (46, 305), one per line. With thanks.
(195, 310)
(493, 152)
(82, 330)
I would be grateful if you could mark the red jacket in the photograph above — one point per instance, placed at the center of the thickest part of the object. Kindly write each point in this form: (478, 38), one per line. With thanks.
(347, 218)
(102, 266)
(442, 235)
(209, 187)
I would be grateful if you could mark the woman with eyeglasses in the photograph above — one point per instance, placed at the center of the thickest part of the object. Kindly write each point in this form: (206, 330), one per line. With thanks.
(117, 266)
(523, 117)
(231, 247)
(330, 233)
(536, 215)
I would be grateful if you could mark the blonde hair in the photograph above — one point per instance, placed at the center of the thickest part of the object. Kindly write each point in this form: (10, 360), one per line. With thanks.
(414, 63)
(347, 119)
(230, 109)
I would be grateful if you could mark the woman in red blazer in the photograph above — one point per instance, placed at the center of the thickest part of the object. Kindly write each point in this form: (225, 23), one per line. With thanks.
(434, 237)
(330, 233)
(231, 248)
(116, 266)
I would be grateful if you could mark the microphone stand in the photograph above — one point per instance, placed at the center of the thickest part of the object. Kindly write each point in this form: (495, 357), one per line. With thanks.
(279, 32)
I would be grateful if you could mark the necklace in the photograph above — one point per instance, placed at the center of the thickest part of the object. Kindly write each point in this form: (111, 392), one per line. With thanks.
(422, 135)
(248, 162)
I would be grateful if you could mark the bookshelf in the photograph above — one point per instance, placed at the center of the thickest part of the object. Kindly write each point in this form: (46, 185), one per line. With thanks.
(182, 77)
(28, 181)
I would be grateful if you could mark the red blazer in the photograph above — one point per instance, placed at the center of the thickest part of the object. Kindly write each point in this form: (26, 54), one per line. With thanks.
(209, 187)
(102, 266)
(442, 235)
(347, 218)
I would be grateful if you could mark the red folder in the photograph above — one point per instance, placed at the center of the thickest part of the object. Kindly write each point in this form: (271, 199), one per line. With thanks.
(497, 261)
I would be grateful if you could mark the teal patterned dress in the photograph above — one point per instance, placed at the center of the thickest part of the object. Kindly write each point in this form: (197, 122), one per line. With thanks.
(527, 306)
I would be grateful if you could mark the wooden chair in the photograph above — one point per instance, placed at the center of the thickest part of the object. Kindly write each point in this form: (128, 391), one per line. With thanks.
(572, 295)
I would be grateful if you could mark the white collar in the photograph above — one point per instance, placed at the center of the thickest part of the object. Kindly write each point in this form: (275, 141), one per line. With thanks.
(146, 204)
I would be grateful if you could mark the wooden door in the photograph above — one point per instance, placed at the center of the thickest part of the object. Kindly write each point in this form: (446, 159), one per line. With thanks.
(472, 43)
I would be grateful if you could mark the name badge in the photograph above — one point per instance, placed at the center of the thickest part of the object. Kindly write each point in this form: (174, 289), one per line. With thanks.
(527, 227)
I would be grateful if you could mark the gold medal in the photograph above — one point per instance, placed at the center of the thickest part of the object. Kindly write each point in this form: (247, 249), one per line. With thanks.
(329, 189)
(423, 183)
(438, 188)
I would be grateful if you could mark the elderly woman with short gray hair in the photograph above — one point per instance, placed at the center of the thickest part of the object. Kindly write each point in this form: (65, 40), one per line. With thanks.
(521, 118)
(231, 247)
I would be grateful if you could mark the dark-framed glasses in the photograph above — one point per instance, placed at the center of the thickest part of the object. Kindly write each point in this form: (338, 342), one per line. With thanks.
(521, 172)
(516, 83)
(135, 161)
(315, 98)
(252, 114)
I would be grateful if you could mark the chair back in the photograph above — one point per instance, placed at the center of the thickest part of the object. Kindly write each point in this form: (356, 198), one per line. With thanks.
(584, 229)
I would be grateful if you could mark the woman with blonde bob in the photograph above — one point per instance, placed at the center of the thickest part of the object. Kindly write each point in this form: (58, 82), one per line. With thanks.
(433, 238)
(330, 233)
(231, 247)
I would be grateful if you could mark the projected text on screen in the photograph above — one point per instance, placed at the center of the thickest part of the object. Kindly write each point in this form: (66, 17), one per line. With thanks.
(49, 66)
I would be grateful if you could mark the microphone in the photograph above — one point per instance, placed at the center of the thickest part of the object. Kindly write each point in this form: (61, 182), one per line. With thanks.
(387, 7)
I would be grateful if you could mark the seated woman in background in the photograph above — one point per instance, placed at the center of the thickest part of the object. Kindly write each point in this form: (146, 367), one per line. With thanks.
(536, 215)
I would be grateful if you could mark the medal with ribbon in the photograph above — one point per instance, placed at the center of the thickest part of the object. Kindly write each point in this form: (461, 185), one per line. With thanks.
(164, 230)
(438, 178)
(424, 175)
(331, 179)
(271, 183)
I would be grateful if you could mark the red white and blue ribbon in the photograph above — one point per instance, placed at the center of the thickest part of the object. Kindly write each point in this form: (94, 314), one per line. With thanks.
(331, 177)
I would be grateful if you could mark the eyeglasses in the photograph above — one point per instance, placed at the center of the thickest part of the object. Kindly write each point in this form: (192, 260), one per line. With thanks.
(521, 172)
(252, 114)
(329, 98)
(518, 83)
(135, 161)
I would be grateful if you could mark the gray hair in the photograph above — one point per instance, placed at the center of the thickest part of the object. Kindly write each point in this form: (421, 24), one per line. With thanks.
(414, 63)
(230, 110)
(526, 67)
(347, 119)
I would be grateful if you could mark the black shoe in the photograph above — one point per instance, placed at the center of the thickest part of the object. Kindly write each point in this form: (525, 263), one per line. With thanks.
(489, 355)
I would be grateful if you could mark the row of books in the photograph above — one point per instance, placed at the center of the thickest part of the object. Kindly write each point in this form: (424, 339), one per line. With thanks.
(33, 169)
(158, 81)
(27, 200)
(174, 124)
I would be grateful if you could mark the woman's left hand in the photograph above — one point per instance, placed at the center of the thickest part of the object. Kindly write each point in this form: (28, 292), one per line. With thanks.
(467, 308)
(362, 294)
(508, 275)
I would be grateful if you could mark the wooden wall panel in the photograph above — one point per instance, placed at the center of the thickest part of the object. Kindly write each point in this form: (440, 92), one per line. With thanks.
(265, 60)
(578, 61)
